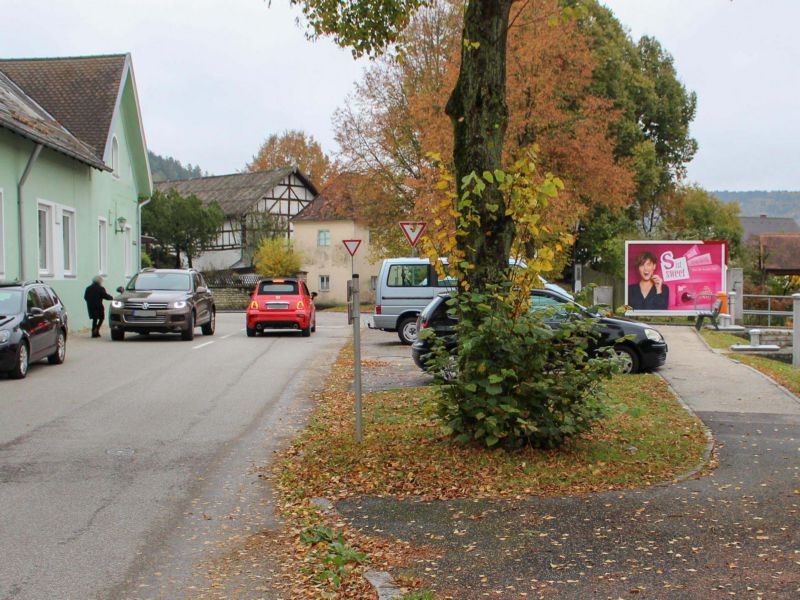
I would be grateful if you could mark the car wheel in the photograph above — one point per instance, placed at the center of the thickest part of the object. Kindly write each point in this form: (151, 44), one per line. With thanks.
(187, 334)
(628, 359)
(57, 357)
(208, 328)
(407, 330)
(20, 368)
(251, 332)
(117, 335)
(314, 326)
(306, 331)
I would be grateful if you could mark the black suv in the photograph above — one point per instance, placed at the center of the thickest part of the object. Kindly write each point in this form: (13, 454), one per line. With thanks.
(163, 301)
(33, 326)
(638, 346)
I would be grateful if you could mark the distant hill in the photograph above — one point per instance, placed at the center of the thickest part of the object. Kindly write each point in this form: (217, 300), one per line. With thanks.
(166, 168)
(772, 204)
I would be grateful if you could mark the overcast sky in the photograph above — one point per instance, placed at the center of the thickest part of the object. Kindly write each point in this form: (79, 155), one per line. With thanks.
(216, 77)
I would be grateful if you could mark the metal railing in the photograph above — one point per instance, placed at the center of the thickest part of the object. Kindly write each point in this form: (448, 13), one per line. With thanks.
(775, 308)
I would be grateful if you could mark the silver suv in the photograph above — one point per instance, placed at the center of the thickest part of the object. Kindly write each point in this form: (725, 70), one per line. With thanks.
(163, 301)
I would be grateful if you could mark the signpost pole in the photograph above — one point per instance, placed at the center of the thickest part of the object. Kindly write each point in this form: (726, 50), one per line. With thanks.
(357, 355)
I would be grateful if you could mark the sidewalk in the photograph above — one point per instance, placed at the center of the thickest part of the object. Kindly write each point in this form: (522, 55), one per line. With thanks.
(732, 533)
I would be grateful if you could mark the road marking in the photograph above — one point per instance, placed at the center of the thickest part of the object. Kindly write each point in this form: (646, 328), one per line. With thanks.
(201, 345)
(225, 337)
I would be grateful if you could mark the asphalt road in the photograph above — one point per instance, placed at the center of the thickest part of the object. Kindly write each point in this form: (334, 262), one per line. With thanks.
(120, 468)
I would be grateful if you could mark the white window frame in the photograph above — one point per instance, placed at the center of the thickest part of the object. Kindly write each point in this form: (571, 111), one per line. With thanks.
(2, 237)
(326, 238)
(49, 209)
(102, 246)
(324, 283)
(70, 251)
(115, 157)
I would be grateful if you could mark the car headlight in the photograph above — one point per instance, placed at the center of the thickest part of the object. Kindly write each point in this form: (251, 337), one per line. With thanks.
(179, 304)
(117, 304)
(4, 336)
(653, 335)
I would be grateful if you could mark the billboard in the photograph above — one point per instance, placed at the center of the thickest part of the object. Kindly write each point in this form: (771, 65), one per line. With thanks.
(673, 277)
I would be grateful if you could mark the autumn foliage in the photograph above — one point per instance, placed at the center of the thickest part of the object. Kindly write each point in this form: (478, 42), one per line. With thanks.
(293, 148)
(397, 116)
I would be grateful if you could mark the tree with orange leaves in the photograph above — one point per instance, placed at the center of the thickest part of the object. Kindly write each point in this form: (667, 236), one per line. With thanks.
(293, 148)
(397, 114)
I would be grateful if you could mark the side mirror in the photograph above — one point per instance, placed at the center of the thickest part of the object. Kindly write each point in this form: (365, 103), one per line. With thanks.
(120, 290)
(314, 295)
(202, 290)
(35, 311)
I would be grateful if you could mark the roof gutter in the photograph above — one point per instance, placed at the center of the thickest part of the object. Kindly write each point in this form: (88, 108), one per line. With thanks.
(141, 205)
(20, 206)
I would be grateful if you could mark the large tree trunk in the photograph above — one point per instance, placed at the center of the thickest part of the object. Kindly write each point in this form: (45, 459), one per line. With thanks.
(477, 109)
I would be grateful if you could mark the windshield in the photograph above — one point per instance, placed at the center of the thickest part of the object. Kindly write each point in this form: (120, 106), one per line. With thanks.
(176, 282)
(558, 305)
(10, 302)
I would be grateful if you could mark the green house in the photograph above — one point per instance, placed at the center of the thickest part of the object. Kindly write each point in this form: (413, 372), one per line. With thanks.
(73, 173)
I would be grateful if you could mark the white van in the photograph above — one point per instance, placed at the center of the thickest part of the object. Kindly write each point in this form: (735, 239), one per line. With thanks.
(405, 286)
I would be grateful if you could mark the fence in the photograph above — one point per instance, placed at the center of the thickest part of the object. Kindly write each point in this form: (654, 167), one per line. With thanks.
(231, 281)
(759, 309)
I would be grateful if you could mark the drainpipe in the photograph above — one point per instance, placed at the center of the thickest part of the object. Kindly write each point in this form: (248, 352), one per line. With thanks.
(20, 206)
(139, 231)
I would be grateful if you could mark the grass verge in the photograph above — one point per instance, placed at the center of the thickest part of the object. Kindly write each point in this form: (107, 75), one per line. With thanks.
(646, 438)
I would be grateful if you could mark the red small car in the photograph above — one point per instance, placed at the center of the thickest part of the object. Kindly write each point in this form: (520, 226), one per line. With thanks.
(281, 303)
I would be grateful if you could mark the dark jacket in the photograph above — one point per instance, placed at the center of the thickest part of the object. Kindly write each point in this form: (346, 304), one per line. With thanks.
(94, 296)
(652, 301)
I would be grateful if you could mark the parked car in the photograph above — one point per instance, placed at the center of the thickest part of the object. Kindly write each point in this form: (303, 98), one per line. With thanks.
(163, 301)
(405, 286)
(281, 303)
(638, 346)
(33, 326)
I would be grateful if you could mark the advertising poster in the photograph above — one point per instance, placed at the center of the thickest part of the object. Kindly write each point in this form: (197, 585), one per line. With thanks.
(673, 277)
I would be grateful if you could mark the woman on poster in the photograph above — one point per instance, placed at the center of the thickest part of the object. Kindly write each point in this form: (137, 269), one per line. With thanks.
(650, 293)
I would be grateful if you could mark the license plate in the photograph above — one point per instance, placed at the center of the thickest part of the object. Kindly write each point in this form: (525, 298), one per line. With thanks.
(277, 306)
(144, 313)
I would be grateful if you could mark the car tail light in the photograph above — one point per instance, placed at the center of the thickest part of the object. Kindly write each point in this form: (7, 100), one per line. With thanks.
(377, 309)
(300, 305)
(422, 323)
(254, 304)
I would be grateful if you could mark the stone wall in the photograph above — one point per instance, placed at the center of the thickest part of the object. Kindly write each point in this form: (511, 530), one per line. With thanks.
(231, 298)
(774, 337)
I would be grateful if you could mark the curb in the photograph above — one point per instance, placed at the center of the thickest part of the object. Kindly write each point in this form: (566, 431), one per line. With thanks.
(710, 441)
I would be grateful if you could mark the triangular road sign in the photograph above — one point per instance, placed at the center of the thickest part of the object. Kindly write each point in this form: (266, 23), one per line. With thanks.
(413, 231)
(352, 246)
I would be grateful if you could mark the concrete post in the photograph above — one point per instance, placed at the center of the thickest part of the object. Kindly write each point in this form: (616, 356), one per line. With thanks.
(732, 307)
(796, 330)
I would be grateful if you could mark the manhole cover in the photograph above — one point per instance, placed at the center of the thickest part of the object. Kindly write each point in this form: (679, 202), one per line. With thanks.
(123, 452)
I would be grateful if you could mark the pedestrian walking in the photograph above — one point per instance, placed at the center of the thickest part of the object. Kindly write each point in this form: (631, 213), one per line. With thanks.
(94, 296)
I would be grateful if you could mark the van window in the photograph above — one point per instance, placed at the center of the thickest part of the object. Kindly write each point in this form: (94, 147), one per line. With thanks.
(408, 276)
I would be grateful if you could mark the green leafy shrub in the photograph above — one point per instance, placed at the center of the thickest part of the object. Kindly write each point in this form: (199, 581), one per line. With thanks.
(520, 381)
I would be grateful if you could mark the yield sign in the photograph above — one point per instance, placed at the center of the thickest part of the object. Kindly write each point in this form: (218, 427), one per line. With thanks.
(352, 246)
(413, 231)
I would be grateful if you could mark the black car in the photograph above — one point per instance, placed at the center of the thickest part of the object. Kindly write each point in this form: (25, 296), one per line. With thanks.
(639, 346)
(33, 326)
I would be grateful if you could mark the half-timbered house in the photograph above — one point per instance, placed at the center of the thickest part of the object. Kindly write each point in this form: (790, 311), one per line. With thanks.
(252, 202)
